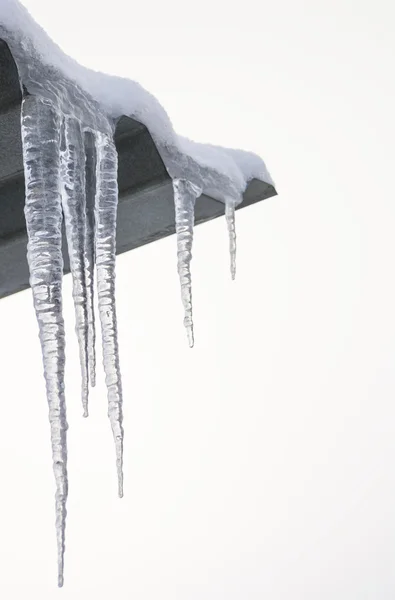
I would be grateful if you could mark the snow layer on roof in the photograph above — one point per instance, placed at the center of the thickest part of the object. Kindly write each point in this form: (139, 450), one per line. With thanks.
(119, 96)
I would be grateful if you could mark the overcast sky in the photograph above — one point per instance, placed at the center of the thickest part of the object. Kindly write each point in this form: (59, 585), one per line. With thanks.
(261, 464)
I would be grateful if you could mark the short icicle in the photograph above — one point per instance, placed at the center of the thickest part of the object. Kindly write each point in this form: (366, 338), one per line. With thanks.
(106, 216)
(73, 201)
(230, 207)
(90, 187)
(185, 194)
(40, 128)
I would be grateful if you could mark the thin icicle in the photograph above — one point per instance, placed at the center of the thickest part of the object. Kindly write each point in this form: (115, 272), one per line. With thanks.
(185, 194)
(43, 210)
(106, 217)
(73, 201)
(90, 176)
(230, 221)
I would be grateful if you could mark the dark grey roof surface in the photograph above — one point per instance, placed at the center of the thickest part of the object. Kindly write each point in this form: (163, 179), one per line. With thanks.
(146, 209)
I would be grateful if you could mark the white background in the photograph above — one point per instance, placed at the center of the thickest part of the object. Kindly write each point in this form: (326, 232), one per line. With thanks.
(260, 465)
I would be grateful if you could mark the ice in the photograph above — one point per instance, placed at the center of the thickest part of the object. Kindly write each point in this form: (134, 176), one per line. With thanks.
(70, 163)
(90, 188)
(41, 127)
(185, 194)
(73, 201)
(106, 220)
(231, 225)
(119, 96)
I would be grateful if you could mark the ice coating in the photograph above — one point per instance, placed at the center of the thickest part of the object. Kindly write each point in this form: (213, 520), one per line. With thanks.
(106, 220)
(231, 225)
(73, 202)
(41, 127)
(185, 194)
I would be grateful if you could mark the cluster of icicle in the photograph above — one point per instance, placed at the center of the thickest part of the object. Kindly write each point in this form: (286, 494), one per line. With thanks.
(71, 174)
(63, 179)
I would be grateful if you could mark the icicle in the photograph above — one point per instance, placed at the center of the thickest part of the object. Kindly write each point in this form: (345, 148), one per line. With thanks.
(90, 176)
(73, 201)
(43, 210)
(230, 221)
(106, 213)
(185, 194)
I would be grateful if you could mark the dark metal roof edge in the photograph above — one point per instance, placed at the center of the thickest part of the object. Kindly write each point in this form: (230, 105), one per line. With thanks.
(133, 229)
(146, 205)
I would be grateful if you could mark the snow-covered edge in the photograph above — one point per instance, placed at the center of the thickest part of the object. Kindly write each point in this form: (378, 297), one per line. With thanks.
(120, 96)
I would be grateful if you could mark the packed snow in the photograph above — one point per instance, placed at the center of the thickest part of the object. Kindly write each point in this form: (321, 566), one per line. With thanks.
(70, 163)
(119, 96)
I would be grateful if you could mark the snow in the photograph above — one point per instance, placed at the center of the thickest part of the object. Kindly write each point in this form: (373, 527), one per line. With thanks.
(70, 165)
(118, 96)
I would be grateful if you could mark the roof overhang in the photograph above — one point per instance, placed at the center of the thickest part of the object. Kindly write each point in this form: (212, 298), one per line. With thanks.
(146, 207)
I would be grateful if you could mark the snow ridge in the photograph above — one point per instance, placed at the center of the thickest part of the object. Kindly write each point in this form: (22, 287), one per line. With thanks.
(119, 96)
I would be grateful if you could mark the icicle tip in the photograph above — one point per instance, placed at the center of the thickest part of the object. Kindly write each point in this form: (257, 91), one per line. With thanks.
(191, 339)
(60, 578)
(233, 273)
(120, 486)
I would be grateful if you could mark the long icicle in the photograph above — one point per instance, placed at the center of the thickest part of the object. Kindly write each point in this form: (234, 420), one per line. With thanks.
(185, 194)
(40, 130)
(231, 225)
(106, 216)
(90, 187)
(73, 202)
